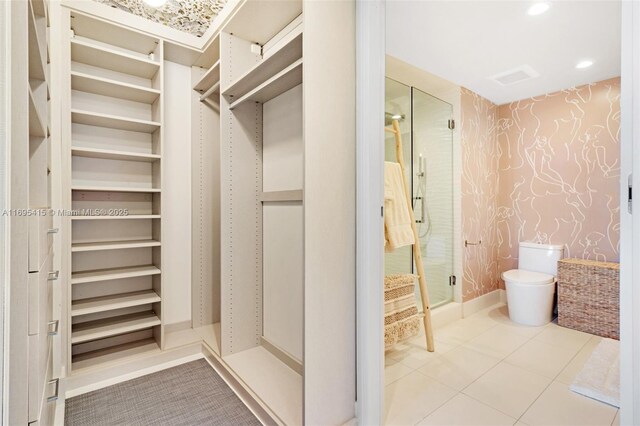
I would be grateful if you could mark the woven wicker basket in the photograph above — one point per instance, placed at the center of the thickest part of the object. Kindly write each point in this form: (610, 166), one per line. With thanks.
(588, 296)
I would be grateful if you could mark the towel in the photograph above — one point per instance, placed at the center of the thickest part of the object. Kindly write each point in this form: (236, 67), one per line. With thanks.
(397, 222)
(600, 376)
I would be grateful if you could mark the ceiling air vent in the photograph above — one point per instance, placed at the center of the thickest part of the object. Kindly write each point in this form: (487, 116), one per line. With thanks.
(516, 75)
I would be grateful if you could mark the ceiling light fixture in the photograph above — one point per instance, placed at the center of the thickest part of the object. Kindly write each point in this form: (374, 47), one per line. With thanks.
(155, 3)
(584, 64)
(538, 8)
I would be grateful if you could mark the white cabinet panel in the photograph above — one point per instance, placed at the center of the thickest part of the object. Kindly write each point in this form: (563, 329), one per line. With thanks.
(283, 276)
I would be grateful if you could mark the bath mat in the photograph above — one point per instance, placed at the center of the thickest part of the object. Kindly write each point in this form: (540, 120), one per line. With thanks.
(600, 376)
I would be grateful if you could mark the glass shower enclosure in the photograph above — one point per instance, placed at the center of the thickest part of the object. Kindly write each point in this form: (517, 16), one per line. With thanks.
(425, 124)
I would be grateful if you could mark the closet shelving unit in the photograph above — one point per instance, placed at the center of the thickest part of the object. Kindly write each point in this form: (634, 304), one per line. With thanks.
(42, 280)
(262, 207)
(238, 269)
(205, 210)
(115, 83)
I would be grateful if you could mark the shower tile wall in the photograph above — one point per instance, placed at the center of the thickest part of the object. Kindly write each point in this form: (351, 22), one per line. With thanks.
(560, 171)
(479, 118)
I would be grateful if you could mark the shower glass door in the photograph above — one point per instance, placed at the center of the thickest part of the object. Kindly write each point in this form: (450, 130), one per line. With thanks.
(433, 191)
(428, 142)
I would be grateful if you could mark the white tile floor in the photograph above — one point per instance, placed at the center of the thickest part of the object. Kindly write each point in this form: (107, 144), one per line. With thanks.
(487, 370)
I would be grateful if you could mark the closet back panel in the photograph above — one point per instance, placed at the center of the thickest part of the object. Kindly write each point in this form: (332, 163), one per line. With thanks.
(85, 136)
(86, 261)
(112, 106)
(282, 142)
(176, 163)
(86, 231)
(135, 203)
(282, 162)
(239, 59)
(205, 166)
(241, 173)
(110, 173)
(79, 67)
(103, 288)
(283, 276)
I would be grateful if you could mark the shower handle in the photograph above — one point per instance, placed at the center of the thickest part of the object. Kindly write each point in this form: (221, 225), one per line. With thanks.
(422, 210)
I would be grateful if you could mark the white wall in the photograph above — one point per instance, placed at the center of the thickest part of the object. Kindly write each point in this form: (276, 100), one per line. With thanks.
(176, 194)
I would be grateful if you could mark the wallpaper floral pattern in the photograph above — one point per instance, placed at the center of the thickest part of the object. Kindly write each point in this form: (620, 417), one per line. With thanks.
(479, 147)
(559, 173)
(191, 16)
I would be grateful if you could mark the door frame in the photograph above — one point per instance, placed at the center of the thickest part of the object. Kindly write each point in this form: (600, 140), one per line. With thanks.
(370, 74)
(370, 69)
(630, 224)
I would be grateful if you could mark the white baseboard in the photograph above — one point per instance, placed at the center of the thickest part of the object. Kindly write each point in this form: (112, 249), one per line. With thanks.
(503, 296)
(483, 302)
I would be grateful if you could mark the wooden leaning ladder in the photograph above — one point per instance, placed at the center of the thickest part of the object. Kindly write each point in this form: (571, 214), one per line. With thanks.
(417, 255)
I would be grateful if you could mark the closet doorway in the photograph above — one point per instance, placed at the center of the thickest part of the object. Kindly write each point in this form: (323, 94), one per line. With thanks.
(426, 124)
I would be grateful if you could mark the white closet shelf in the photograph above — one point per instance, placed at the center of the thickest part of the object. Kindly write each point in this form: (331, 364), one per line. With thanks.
(93, 330)
(113, 274)
(129, 217)
(114, 354)
(37, 63)
(114, 245)
(113, 88)
(113, 121)
(209, 78)
(103, 56)
(109, 303)
(285, 80)
(263, 373)
(37, 126)
(279, 196)
(268, 67)
(109, 154)
(112, 188)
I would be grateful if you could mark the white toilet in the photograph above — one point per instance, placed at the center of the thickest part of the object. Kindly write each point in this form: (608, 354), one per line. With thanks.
(531, 287)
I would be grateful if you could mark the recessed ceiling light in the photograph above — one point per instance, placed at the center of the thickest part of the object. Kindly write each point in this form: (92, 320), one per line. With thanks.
(538, 8)
(155, 3)
(584, 64)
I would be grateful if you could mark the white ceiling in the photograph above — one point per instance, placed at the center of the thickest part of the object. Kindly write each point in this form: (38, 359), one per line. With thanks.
(468, 42)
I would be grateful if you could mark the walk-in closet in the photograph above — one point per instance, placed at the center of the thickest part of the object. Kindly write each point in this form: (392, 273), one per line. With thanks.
(200, 199)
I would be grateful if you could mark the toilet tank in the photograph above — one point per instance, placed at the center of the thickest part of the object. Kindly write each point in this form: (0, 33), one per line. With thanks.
(540, 257)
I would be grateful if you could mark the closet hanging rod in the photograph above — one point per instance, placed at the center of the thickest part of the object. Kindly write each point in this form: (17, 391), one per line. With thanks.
(209, 92)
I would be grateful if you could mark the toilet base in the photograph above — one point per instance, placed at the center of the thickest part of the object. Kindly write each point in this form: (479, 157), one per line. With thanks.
(530, 305)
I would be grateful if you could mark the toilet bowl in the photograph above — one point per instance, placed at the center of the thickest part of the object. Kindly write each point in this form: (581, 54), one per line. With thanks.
(531, 287)
(529, 296)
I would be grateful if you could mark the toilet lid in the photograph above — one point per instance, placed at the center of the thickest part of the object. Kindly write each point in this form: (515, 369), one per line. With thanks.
(527, 277)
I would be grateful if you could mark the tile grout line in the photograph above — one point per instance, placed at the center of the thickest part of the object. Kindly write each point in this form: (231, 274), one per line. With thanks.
(553, 381)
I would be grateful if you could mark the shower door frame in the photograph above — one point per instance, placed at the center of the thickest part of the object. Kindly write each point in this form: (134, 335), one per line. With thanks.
(452, 296)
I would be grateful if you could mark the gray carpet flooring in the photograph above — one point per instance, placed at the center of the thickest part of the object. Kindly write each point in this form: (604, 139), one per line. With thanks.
(189, 394)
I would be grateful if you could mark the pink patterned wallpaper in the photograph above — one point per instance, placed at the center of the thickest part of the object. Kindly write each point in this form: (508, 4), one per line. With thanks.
(479, 146)
(559, 173)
